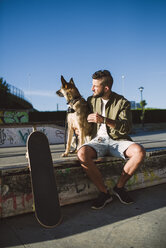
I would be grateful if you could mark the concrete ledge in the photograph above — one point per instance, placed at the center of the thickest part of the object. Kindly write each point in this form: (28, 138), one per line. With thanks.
(73, 183)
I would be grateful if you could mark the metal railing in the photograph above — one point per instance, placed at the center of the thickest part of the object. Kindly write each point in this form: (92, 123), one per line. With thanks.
(17, 92)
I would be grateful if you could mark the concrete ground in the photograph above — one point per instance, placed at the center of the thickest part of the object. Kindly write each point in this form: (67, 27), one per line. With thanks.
(139, 225)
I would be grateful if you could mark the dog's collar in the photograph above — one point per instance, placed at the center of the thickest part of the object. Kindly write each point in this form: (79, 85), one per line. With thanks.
(70, 110)
(74, 101)
(71, 103)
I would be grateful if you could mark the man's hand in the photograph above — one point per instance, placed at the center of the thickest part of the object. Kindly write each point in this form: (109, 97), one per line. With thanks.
(96, 118)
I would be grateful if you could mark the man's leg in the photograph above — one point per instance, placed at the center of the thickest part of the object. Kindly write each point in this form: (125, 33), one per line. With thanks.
(86, 154)
(136, 154)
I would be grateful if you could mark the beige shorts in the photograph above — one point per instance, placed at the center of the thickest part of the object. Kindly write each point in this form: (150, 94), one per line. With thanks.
(105, 146)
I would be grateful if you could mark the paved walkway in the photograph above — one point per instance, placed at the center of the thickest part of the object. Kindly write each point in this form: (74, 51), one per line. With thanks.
(139, 225)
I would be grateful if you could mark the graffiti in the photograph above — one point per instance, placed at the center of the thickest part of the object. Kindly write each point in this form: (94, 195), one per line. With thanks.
(24, 136)
(64, 172)
(150, 176)
(13, 117)
(17, 136)
(2, 136)
(78, 188)
(11, 140)
(1, 117)
(74, 187)
(144, 178)
(133, 180)
(43, 130)
(5, 189)
(59, 134)
(12, 203)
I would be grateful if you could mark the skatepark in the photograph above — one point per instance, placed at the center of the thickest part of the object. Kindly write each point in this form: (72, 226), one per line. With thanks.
(141, 224)
(54, 55)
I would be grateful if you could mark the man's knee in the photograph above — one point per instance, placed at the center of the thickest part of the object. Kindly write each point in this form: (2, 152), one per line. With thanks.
(81, 153)
(140, 151)
(86, 153)
(137, 151)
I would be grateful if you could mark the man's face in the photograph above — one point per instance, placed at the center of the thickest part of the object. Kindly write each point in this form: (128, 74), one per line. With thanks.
(97, 88)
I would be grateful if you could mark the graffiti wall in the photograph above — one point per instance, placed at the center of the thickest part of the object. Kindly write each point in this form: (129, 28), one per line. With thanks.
(13, 117)
(17, 136)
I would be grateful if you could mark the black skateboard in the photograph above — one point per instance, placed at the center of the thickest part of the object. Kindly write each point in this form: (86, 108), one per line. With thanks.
(45, 194)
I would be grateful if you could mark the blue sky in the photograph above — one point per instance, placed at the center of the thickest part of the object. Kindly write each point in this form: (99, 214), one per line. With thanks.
(44, 39)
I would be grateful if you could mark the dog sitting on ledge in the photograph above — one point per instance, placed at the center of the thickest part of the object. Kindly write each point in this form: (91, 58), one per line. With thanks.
(77, 116)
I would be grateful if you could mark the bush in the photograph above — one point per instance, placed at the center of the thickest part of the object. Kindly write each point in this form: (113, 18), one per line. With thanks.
(58, 117)
(151, 116)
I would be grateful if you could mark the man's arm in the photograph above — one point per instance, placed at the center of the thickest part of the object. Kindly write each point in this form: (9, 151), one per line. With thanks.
(122, 123)
(96, 118)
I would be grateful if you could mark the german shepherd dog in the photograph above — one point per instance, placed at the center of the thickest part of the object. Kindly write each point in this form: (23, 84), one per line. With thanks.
(77, 116)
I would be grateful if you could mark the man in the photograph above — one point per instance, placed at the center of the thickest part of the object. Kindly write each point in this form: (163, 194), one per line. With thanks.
(111, 116)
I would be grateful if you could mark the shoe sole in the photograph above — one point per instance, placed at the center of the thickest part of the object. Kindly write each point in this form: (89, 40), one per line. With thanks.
(106, 202)
(127, 203)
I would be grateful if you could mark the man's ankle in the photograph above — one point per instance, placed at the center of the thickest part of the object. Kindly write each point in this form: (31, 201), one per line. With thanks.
(105, 191)
(119, 186)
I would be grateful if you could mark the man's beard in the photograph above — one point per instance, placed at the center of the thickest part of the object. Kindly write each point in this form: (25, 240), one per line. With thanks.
(100, 94)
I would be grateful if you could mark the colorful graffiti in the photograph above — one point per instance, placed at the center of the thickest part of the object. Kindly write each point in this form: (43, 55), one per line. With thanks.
(140, 179)
(7, 117)
(12, 204)
(24, 135)
(75, 190)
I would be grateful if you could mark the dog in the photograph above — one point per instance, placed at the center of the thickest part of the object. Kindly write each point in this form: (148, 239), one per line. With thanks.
(77, 114)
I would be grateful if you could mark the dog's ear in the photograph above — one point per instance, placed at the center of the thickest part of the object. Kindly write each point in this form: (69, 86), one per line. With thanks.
(64, 83)
(71, 81)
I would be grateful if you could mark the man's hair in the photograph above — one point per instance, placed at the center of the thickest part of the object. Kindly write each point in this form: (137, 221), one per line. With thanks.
(105, 75)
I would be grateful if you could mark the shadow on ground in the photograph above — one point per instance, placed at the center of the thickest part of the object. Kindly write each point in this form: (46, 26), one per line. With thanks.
(79, 218)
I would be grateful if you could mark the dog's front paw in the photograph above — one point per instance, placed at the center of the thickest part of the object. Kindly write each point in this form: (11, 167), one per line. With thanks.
(73, 152)
(26, 155)
(64, 154)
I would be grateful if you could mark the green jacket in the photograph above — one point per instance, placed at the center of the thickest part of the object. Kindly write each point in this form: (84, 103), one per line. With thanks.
(118, 109)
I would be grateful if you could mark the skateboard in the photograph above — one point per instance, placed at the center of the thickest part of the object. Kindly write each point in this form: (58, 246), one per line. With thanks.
(45, 194)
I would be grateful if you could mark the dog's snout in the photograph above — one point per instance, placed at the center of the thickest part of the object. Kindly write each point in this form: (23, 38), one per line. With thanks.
(59, 93)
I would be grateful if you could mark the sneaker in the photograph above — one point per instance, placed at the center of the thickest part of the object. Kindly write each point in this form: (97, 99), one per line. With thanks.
(102, 200)
(122, 195)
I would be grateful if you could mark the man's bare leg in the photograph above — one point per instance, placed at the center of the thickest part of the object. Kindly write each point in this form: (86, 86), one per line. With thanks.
(86, 154)
(136, 154)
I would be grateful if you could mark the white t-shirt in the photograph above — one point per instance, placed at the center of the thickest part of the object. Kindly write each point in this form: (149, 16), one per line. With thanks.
(103, 130)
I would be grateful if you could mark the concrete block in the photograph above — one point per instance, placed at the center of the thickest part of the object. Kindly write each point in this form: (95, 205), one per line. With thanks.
(72, 182)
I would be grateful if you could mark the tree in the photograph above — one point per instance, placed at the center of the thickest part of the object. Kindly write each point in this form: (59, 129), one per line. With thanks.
(4, 93)
(143, 104)
(4, 86)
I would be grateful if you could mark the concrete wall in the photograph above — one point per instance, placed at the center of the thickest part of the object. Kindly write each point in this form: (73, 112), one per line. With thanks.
(72, 182)
(17, 136)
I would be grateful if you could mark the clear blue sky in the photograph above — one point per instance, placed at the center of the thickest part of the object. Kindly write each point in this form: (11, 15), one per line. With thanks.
(44, 39)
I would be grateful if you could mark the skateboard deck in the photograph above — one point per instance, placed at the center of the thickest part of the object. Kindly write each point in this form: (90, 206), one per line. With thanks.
(45, 194)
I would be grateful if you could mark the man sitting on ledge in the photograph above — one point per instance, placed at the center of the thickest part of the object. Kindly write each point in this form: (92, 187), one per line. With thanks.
(112, 117)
